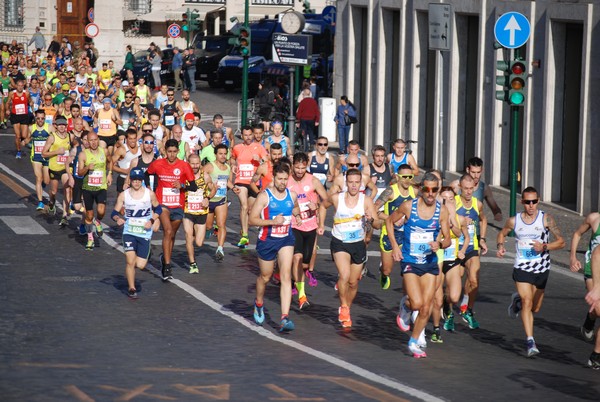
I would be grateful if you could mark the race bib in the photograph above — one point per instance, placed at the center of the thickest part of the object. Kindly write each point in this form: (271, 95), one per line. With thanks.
(20, 109)
(105, 124)
(450, 252)
(305, 211)
(246, 171)
(170, 197)
(221, 187)
(352, 231)
(49, 119)
(38, 146)
(194, 201)
(85, 111)
(282, 230)
(95, 178)
(419, 244)
(322, 177)
(62, 159)
(169, 120)
(526, 252)
(137, 225)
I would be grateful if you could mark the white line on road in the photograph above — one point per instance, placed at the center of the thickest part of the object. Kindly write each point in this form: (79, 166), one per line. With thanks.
(23, 225)
(12, 206)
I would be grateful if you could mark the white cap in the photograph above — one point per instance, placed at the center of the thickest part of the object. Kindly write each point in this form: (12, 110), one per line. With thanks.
(125, 83)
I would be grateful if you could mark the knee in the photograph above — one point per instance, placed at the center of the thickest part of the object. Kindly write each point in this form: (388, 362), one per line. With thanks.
(200, 241)
(353, 284)
(526, 303)
(168, 232)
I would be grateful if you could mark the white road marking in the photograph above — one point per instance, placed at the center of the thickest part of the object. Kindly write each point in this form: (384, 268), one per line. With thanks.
(12, 206)
(23, 225)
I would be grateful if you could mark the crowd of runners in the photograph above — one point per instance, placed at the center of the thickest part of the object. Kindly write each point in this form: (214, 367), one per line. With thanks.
(86, 132)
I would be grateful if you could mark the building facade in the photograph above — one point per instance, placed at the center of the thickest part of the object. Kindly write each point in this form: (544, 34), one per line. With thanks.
(446, 100)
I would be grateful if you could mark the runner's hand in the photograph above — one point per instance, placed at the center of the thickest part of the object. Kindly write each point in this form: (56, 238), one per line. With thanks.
(575, 265)
(279, 220)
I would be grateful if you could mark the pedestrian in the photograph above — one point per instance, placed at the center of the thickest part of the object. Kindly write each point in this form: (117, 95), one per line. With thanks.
(54, 46)
(155, 66)
(190, 69)
(308, 116)
(532, 229)
(177, 64)
(141, 210)
(128, 65)
(346, 108)
(38, 40)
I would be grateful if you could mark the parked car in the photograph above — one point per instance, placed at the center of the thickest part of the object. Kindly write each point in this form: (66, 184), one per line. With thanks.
(209, 52)
(141, 67)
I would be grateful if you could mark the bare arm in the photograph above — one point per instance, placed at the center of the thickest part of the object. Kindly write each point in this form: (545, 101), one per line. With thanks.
(491, 201)
(508, 227)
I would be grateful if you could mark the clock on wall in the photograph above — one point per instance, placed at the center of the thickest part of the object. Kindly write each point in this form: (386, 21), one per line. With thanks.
(292, 22)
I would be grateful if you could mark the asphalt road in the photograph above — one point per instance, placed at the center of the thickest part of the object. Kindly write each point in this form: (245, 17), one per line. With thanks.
(68, 332)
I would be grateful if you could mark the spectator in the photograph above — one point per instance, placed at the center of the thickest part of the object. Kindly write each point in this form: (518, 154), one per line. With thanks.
(308, 115)
(190, 69)
(54, 47)
(38, 40)
(155, 62)
(346, 108)
(177, 64)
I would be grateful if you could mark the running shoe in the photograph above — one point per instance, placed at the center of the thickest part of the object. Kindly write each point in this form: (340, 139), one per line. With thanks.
(18, 155)
(303, 303)
(98, 226)
(347, 324)
(63, 221)
(594, 361)
(89, 245)
(219, 254)
(312, 280)
(436, 337)
(51, 209)
(132, 293)
(384, 281)
(515, 305)
(243, 243)
(286, 325)
(469, 319)
(403, 317)
(422, 342)
(588, 334)
(416, 351)
(194, 268)
(463, 308)
(294, 290)
(167, 272)
(82, 230)
(449, 323)
(3, 126)
(343, 314)
(40, 206)
(259, 314)
(364, 271)
(532, 349)
(208, 234)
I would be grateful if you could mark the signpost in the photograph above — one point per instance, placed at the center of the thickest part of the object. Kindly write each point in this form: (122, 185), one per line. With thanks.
(90, 14)
(174, 31)
(92, 30)
(290, 49)
(329, 14)
(512, 30)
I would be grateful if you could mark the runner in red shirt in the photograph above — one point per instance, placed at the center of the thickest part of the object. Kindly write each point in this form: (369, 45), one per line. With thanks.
(174, 177)
(18, 107)
(245, 159)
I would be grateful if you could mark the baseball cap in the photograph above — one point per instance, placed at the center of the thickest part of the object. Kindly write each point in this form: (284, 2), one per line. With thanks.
(60, 120)
(189, 116)
(136, 174)
(65, 87)
(107, 100)
(125, 83)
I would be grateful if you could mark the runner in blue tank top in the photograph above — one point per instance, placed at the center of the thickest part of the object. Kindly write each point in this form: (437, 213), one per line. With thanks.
(401, 156)
(424, 220)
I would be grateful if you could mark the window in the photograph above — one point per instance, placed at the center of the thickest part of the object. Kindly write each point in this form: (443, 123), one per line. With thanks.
(140, 6)
(13, 14)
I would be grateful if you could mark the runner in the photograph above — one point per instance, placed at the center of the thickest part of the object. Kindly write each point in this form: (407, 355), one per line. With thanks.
(106, 121)
(592, 221)
(391, 198)
(309, 189)
(18, 106)
(321, 162)
(340, 183)
(208, 153)
(273, 211)
(264, 173)
(353, 149)
(532, 229)
(146, 158)
(170, 108)
(278, 138)
(401, 156)
(196, 210)
(226, 131)
(123, 155)
(354, 214)
(593, 299)
(39, 133)
(194, 136)
(245, 159)
(424, 219)
(471, 208)
(76, 194)
(93, 165)
(141, 210)
(220, 174)
(172, 174)
(56, 150)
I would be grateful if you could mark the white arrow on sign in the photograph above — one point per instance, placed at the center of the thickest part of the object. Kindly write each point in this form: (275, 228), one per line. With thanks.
(512, 25)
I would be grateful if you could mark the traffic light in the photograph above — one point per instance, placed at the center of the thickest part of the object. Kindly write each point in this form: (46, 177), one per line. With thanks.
(184, 21)
(517, 79)
(503, 67)
(191, 21)
(244, 41)
(306, 7)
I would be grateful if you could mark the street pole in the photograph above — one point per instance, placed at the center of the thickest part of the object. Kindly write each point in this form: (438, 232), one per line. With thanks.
(187, 22)
(245, 71)
(514, 149)
(292, 117)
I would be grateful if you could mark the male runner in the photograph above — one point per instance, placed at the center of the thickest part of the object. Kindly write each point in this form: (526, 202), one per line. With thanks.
(146, 158)
(39, 133)
(141, 210)
(532, 229)
(401, 156)
(124, 155)
(273, 211)
(593, 299)
(278, 138)
(264, 173)
(321, 162)
(106, 120)
(227, 132)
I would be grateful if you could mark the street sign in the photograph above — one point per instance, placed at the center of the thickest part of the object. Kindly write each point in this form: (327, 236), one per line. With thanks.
(90, 14)
(440, 26)
(329, 14)
(512, 30)
(174, 31)
(292, 49)
(92, 30)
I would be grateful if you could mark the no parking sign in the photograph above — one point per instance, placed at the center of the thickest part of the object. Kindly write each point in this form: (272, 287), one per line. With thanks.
(174, 31)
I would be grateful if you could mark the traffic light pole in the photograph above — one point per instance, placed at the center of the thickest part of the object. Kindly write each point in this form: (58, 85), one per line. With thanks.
(291, 116)
(245, 71)
(188, 29)
(514, 145)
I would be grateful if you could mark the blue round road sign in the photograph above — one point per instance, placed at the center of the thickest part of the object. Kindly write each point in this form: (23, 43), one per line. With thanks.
(512, 30)
(174, 30)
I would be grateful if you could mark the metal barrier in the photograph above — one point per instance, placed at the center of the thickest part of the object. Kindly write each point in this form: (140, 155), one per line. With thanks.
(251, 114)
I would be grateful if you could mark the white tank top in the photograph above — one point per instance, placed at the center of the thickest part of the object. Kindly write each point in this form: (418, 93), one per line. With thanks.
(527, 259)
(126, 161)
(137, 213)
(158, 133)
(348, 222)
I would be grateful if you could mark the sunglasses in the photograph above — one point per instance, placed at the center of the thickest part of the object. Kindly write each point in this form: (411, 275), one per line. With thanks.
(430, 189)
(128, 97)
(86, 93)
(407, 176)
(322, 144)
(530, 202)
(353, 164)
(170, 94)
(148, 142)
(147, 131)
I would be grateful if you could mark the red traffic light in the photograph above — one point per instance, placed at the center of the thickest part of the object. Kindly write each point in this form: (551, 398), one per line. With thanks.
(184, 16)
(518, 68)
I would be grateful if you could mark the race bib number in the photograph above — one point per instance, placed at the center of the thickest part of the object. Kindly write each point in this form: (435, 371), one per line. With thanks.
(305, 211)
(49, 119)
(20, 109)
(221, 187)
(419, 244)
(62, 159)
(194, 201)
(322, 177)
(170, 197)
(246, 171)
(471, 230)
(450, 252)
(169, 120)
(85, 111)
(137, 225)
(526, 252)
(282, 230)
(105, 124)
(352, 231)
(38, 146)
(95, 178)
